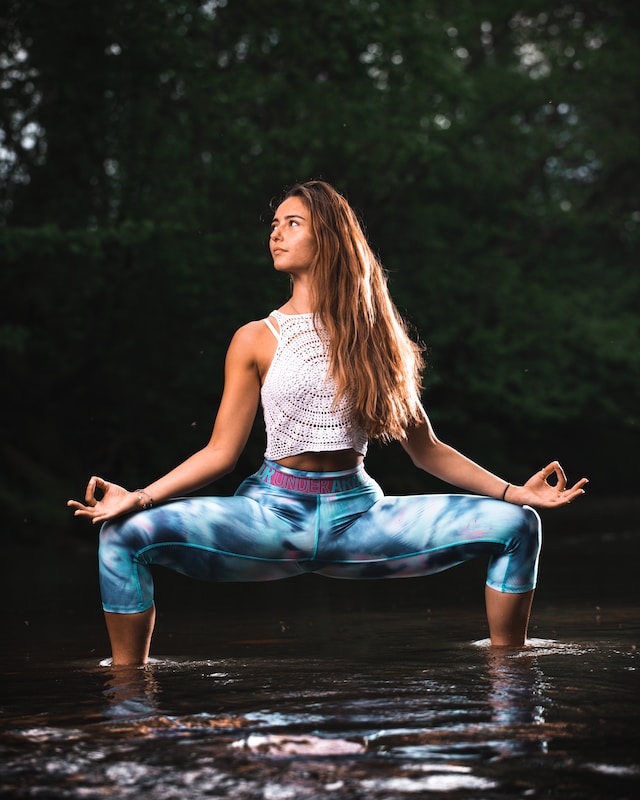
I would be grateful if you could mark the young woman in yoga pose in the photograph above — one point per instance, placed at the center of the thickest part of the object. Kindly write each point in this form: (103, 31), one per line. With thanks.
(333, 368)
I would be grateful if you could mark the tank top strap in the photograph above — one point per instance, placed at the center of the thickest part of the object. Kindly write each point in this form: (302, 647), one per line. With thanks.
(272, 327)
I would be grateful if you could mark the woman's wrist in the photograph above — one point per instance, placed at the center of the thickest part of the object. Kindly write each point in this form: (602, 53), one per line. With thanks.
(512, 493)
(144, 499)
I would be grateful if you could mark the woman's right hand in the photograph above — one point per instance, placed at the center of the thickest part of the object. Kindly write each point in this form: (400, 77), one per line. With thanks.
(113, 501)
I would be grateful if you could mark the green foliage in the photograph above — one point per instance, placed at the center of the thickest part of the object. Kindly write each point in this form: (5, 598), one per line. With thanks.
(490, 147)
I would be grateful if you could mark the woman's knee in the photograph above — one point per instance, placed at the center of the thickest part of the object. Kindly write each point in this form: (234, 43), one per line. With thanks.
(532, 526)
(527, 547)
(119, 536)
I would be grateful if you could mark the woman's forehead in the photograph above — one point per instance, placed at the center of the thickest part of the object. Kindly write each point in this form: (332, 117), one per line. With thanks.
(292, 206)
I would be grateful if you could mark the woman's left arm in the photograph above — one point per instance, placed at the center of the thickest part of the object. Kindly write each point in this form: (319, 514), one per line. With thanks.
(445, 462)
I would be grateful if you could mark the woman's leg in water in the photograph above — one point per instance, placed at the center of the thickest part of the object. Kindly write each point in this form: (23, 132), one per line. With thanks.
(508, 617)
(130, 636)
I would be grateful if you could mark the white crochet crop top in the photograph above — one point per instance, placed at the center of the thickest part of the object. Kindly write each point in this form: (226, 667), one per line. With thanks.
(298, 391)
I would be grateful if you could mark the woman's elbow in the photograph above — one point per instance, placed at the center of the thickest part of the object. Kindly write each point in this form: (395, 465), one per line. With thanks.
(421, 445)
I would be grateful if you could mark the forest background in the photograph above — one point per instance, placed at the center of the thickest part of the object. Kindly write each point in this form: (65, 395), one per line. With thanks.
(490, 147)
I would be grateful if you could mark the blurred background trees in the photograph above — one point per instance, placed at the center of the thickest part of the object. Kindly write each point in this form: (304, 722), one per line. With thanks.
(490, 148)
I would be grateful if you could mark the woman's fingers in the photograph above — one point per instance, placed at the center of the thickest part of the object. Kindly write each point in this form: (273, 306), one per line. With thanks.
(90, 492)
(561, 478)
(577, 489)
(557, 493)
(85, 509)
(561, 483)
(96, 484)
(566, 496)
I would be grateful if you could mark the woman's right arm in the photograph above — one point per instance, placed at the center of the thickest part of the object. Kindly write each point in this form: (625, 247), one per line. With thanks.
(234, 420)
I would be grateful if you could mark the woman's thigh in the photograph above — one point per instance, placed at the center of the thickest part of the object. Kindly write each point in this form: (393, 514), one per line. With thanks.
(424, 534)
(208, 538)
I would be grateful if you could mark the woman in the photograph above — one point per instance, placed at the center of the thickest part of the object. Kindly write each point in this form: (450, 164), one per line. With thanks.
(333, 367)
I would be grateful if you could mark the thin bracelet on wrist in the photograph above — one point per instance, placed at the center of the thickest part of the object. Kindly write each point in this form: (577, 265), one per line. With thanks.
(146, 503)
(506, 489)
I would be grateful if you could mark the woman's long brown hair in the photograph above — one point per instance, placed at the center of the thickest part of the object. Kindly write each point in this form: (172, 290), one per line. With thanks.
(373, 360)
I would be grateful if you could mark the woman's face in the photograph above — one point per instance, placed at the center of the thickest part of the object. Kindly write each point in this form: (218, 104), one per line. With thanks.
(292, 242)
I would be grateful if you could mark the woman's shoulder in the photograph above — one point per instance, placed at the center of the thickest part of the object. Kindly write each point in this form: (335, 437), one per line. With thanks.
(253, 342)
(247, 334)
(253, 331)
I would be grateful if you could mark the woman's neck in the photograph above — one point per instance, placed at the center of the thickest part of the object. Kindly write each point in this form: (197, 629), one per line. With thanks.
(300, 300)
(291, 307)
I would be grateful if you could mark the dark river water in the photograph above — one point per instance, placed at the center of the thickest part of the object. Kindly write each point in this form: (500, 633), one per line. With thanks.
(317, 688)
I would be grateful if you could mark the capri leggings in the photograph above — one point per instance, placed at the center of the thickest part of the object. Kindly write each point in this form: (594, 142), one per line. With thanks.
(283, 522)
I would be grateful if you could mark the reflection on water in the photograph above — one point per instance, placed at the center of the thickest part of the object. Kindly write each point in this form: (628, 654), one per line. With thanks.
(278, 720)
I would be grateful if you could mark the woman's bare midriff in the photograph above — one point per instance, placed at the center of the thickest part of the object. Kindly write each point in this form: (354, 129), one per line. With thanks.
(324, 461)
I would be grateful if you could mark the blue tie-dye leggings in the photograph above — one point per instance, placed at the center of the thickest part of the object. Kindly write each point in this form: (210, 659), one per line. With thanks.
(349, 529)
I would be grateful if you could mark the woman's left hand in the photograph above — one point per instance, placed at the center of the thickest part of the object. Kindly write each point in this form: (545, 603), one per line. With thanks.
(538, 492)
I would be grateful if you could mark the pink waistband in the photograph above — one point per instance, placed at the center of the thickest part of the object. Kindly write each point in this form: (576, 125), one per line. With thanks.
(311, 482)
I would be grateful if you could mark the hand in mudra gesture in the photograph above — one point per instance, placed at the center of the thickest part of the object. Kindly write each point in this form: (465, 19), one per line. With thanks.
(538, 492)
(104, 500)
